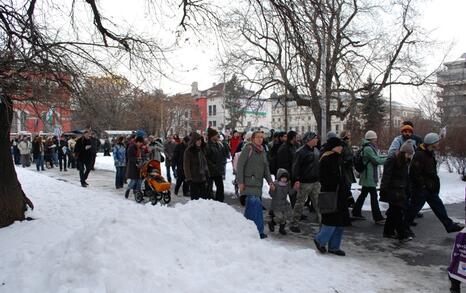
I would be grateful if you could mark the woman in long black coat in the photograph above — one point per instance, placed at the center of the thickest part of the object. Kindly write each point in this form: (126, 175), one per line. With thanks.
(333, 179)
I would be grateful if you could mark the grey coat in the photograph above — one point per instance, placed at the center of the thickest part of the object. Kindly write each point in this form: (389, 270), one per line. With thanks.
(252, 169)
(280, 194)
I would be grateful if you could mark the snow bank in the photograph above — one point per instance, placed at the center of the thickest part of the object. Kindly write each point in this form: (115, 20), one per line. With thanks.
(88, 241)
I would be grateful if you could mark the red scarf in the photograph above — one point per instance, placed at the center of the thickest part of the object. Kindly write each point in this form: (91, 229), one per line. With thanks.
(258, 148)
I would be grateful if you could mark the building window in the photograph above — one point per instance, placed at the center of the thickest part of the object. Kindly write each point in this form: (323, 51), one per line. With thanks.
(14, 123)
(337, 128)
(214, 123)
(214, 109)
(273, 119)
(210, 123)
(302, 129)
(210, 110)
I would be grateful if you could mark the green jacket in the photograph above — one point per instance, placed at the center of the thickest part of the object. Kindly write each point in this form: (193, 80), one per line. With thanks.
(371, 159)
(252, 169)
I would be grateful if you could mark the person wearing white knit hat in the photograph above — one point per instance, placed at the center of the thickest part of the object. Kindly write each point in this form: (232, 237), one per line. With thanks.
(369, 177)
(370, 135)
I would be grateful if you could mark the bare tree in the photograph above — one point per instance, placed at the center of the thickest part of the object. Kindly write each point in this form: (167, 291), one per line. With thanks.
(103, 103)
(30, 46)
(180, 114)
(322, 48)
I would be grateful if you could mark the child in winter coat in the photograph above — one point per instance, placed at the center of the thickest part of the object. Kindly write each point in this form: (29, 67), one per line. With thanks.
(280, 205)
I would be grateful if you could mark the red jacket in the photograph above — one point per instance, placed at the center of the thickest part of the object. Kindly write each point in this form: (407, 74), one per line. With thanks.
(234, 142)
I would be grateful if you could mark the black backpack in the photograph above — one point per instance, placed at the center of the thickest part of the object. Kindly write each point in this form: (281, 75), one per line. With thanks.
(359, 165)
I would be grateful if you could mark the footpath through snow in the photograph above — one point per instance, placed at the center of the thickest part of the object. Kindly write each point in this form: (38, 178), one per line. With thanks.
(452, 189)
(88, 241)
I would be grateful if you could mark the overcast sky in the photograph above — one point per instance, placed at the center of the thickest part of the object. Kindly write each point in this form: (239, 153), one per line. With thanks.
(196, 60)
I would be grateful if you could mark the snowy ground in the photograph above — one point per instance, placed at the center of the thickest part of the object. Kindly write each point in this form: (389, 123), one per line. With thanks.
(93, 240)
(88, 241)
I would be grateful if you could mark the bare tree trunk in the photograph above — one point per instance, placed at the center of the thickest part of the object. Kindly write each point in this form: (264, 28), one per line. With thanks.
(11, 195)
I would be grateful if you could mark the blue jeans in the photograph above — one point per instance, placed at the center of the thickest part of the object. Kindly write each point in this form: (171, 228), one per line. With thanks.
(167, 168)
(40, 162)
(253, 212)
(134, 184)
(330, 235)
(419, 198)
(120, 176)
(55, 158)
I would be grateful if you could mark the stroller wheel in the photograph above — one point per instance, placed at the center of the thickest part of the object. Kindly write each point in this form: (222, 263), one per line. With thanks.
(153, 200)
(138, 197)
(167, 198)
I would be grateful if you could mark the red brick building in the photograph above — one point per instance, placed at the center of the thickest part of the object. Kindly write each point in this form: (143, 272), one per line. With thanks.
(42, 109)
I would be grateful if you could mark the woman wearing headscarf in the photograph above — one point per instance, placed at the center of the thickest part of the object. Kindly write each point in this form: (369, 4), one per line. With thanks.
(332, 179)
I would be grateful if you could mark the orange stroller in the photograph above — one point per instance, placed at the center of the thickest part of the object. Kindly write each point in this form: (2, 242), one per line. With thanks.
(154, 184)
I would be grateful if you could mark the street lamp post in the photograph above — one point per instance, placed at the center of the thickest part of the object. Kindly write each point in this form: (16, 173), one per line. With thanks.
(390, 103)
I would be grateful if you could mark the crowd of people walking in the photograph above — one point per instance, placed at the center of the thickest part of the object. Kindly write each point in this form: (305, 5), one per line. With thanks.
(298, 169)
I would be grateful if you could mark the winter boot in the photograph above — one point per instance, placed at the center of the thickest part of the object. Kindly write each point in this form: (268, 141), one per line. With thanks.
(271, 226)
(455, 227)
(455, 286)
(127, 193)
(282, 229)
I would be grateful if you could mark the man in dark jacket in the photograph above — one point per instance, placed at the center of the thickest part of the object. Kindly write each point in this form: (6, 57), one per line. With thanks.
(62, 152)
(84, 156)
(215, 155)
(279, 139)
(285, 158)
(195, 167)
(169, 150)
(95, 143)
(178, 163)
(286, 152)
(425, 184)
(306, 178)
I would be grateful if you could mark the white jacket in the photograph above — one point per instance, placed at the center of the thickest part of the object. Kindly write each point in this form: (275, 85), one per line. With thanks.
(24, 148)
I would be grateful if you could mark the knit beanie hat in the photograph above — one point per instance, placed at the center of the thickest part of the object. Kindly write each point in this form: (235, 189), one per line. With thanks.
(211, 132)
(248, 135)
(370, 135)
(331, 134)
(407, 127)
(407, 147)
(431, 138)
(333, 142)
(309, 136)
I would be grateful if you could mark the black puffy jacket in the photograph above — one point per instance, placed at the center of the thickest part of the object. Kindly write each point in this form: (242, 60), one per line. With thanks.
(285, 157)
(306, 165)
(423, 171)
